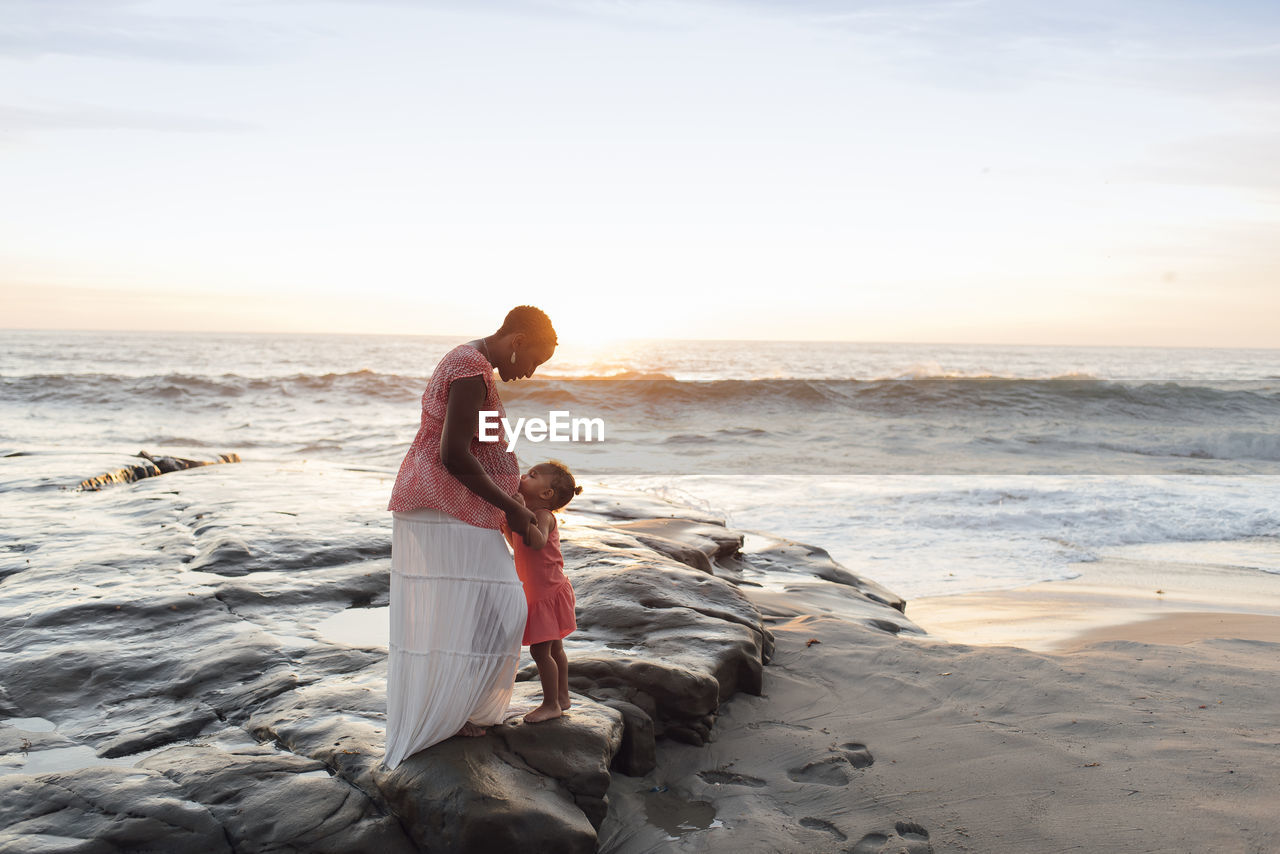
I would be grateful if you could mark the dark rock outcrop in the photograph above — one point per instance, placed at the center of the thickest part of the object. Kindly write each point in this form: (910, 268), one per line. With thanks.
(151, 466)
(267, 800)
(178, 629)
(103, 810)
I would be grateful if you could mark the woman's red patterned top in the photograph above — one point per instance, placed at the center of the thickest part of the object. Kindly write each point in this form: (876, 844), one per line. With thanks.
(423, 481)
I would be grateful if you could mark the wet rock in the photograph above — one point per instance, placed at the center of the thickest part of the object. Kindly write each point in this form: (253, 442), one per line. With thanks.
(778, 555)
(696, 544)
(308, 597)
(462, 795)
(622, 505)
(103, 811)
(238, 540)
(672, 641)
(339, 720)
(126, 675)
(229, 555)
(636, 754)
(575, 749)
(180, 610)
(152, 730)
(554, 774)
(271, 801)
(150, 466)
(16, 740)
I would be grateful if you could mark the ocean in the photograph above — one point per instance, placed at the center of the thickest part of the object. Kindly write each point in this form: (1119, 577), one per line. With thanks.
(930, 468)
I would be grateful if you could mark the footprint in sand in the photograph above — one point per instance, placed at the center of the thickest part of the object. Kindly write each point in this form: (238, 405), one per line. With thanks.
(828, 772)
(908, 838)
(831, 771)
(857, 754)
(820, 824)
(729, 778)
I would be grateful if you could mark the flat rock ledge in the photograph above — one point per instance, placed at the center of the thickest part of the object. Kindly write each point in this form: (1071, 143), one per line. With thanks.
(215, 716)
(149, 465)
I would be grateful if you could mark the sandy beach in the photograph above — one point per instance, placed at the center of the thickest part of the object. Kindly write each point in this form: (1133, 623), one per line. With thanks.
(1174, 594)
(1095, 714)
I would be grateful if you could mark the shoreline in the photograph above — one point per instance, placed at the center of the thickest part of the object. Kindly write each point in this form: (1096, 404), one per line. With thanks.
(1140, 594)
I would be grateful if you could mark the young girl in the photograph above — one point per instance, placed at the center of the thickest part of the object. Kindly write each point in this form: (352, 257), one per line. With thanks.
(546, 487)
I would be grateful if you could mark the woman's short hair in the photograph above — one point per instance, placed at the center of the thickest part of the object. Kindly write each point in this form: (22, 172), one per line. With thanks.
(532, 322)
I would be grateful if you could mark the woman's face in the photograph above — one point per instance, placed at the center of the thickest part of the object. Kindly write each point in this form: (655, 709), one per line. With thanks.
(528, 357)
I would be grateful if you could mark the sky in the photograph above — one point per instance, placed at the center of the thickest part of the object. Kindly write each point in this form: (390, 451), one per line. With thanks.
(961, 171)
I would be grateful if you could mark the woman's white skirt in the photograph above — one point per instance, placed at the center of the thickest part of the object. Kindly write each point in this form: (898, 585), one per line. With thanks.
(457, 617)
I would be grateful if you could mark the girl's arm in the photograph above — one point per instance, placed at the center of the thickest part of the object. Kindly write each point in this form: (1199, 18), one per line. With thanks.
(540, 530)
(462, 414)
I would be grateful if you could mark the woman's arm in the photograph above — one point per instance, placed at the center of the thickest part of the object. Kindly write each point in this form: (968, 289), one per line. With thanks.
(466, 396)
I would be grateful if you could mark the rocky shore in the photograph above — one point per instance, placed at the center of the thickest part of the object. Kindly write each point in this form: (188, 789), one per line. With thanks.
(166, 683)
(196, 662)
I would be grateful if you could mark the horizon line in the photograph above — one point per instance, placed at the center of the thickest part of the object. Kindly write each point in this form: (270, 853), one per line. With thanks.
(640, 339)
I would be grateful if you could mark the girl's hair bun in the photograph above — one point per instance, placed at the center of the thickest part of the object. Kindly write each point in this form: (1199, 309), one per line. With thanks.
(562, 481)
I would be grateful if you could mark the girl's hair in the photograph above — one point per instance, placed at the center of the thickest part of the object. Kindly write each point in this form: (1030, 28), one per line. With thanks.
(563, 483)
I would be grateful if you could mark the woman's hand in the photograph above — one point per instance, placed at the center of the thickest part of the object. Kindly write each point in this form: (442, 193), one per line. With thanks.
(540, 530)
(521, 518)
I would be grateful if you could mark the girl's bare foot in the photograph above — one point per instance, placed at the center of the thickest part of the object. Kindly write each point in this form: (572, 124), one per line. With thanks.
(565, 702)
(545, 712)
(470, 730)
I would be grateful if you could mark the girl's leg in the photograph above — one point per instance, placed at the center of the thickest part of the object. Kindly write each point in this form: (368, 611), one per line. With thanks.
(549, 674)
(562, 667)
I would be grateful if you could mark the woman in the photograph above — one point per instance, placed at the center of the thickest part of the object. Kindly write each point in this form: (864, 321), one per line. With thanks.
(457, 605)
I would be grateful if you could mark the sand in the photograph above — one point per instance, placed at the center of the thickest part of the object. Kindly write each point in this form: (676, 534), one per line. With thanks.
(1090, 715)
(1143, 593)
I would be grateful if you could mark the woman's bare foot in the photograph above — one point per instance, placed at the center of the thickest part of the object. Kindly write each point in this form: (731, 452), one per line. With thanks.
(545, 712)
(565, 702)
(470, 730)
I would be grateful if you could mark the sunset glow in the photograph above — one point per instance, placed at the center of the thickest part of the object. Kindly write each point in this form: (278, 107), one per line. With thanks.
(941, 171)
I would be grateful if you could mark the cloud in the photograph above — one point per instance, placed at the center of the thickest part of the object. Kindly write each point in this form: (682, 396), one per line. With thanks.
(117, 29)
(1178, 45)
(1241, 161)
(15, 120)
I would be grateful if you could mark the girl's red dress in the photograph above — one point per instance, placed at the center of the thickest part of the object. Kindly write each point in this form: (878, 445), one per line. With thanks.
(546, 588)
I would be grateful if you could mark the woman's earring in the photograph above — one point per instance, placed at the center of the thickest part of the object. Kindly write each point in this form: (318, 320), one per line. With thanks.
(513, 357)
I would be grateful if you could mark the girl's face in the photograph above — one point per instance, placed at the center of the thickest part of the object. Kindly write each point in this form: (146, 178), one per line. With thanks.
(536, 483)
